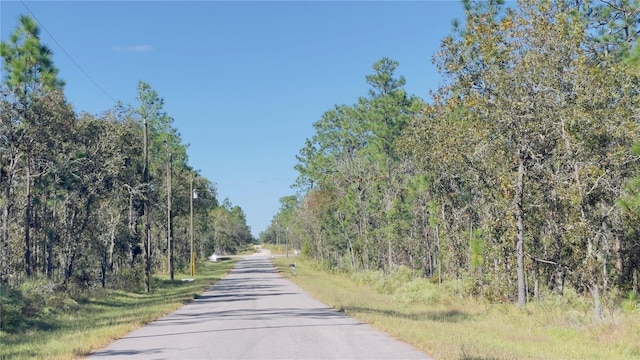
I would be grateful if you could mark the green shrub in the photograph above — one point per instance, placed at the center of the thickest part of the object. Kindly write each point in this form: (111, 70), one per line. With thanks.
(307, 250)
(398, 277)
(458, 287)
(127, 279)
(631, 303)
(12, 318)
(35, 292)
(344, 264)
(496, 290)
(327, 265)
(417, 291)
(368, 278)
(32, 304)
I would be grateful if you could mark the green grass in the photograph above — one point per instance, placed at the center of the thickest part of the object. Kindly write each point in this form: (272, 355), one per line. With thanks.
(447, 326)
(101, 318)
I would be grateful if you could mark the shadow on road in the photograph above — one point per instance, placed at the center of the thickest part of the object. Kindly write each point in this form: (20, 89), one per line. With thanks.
(109, 353)
(254, 266)
(237, 329)
(451, 316)
(266, 315)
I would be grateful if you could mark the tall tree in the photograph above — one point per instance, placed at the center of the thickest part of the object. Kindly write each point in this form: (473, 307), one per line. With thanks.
(388, 111)
(30, 74)
(28, 62)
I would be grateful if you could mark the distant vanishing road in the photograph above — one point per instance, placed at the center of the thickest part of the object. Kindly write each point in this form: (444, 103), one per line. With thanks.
(254, 313)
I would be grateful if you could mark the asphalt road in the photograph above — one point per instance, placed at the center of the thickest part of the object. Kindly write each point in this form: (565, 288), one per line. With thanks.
(254, 313)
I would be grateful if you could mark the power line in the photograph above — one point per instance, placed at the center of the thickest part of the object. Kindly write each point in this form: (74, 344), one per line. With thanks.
(66, 53)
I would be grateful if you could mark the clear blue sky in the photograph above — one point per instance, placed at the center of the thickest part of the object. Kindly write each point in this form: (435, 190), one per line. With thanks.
(244, 81)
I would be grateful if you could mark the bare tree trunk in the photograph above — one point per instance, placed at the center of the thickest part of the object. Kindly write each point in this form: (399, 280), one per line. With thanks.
(536, 278)
(147, 246)
(147, 213)
(617, 246)
(169, 220)
(133, 236)
(68, 272)
(103, 270)
(106, 260)
(51, 241)
(389, 252)
(558, 275)
(45, 241)
(5, 236)
(6, 212)
(27, 220)
(520, 230)
(112, 242)
(595, 292)
(51, 236)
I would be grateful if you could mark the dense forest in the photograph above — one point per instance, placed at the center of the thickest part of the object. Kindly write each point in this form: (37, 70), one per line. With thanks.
(519, 177)
(95, 201)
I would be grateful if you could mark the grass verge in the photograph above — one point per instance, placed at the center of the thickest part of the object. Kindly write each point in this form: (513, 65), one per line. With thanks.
(449, 327)
(106, 316)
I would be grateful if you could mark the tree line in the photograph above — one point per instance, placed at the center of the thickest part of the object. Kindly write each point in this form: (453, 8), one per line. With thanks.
(102, 200)
(519, 175)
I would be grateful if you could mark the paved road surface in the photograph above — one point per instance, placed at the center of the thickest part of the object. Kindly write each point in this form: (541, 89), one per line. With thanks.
(254, 313)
